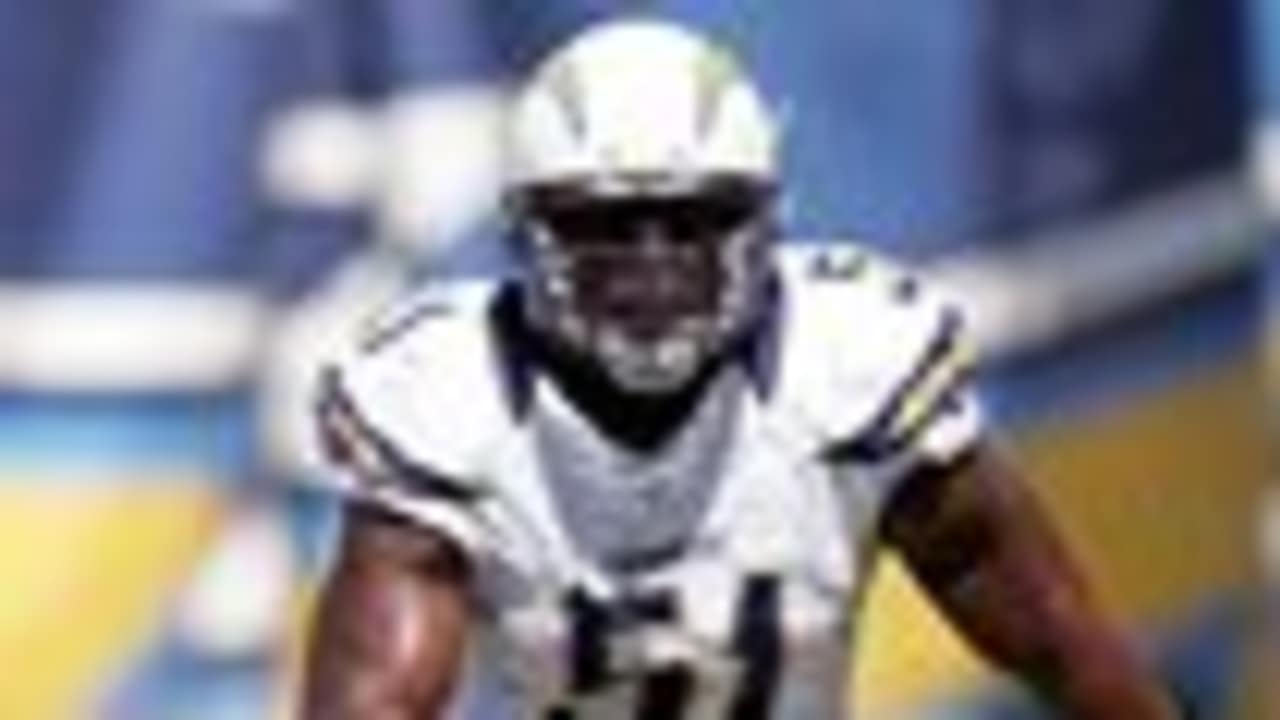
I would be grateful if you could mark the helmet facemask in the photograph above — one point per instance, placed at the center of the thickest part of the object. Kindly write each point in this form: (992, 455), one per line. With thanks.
(648, 285)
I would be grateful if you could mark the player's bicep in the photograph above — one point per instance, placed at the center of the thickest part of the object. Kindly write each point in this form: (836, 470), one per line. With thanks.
(390, 633)
(949, 519)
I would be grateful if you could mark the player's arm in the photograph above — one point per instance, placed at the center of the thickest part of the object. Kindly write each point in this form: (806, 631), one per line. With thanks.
(390, 634)
(984, 550)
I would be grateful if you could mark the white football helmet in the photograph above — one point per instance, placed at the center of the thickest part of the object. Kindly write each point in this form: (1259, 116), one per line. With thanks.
(641, 170)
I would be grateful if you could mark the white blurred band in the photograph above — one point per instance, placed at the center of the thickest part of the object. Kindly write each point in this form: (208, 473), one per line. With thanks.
(1034, 291)
(424, 162)
(321, 154)
(106, 337)
(149, 336)
(441, 165)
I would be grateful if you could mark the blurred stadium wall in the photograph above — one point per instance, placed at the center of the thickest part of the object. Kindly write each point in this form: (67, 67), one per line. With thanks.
(197, 195)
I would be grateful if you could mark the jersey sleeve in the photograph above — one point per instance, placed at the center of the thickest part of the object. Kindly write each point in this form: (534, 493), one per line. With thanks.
(930, 413)
(369, 465)
(901, 392)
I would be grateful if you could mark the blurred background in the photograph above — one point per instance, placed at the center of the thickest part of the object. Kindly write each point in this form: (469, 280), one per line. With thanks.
(198, 197)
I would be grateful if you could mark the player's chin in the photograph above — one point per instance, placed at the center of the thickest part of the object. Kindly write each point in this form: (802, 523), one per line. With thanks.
(658, 365)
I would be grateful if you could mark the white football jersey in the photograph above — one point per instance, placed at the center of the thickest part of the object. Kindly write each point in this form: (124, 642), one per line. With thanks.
(714, 577)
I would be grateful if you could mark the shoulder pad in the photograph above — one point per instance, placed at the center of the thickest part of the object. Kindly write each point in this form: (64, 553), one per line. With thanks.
(373, 458)
(424, 385)
(434, 302)
(870, 349)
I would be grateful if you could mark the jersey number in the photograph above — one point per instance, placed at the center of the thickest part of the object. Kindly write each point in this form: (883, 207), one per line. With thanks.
(666, 691)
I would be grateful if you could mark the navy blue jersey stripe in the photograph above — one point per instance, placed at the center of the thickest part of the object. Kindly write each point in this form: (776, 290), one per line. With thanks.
(876, 442)
(513, 343)
(588, 645)
(665, 694)
(758, 641)
(398, 325)
(946, 402)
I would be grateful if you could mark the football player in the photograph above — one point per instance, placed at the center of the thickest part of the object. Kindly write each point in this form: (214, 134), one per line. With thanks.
(647, 476)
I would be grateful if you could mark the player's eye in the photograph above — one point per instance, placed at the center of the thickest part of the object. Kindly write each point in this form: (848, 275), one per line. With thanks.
(588, 226)
(703, 220)
(624, 224)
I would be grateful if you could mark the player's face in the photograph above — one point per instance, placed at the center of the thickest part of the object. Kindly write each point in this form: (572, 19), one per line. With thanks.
(652, 283)
(646, 267)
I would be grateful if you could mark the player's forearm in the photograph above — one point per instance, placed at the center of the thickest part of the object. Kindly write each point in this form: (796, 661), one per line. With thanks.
(1063, 642)
(1103, 680)
(340, 687)
(349, 701)
(1025, 605)
(1054, 638)
(350, 704)
(356, 672)
(390, 632)
(988, 555)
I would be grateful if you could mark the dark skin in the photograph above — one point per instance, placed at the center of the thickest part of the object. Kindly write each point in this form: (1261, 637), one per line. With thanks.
(391, 629)
(987, 555)
(390, 637)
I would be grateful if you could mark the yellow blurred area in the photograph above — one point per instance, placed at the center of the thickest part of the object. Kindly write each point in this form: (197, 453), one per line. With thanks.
(87, 565)
(1158, 498)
